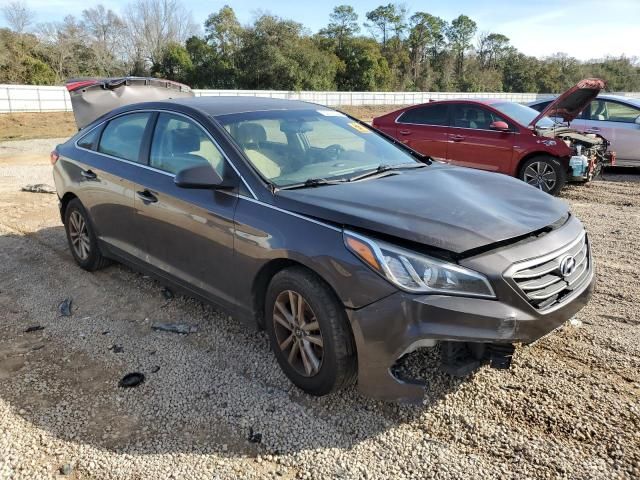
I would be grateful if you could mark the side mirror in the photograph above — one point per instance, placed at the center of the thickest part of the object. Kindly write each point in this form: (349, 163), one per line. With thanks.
(499, 125)
(200, 176)
(637, 120)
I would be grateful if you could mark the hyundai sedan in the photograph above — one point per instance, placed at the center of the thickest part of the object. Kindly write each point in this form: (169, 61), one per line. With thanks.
(350, 249)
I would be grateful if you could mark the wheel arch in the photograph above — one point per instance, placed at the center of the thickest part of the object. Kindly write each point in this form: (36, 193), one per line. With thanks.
(539, 153)
(264, 276)
(64, 202)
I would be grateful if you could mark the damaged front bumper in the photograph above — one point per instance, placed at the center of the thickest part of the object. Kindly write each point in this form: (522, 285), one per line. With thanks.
(396, 325)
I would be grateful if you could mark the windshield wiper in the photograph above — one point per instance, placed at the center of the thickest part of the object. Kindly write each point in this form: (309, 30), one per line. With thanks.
(312, 182)
(386, 168)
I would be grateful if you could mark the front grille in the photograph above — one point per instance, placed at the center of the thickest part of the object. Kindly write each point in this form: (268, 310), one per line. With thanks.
(544, 283)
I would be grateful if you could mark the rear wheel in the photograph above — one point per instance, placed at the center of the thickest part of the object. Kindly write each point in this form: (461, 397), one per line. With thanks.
(82, 238)
(309, 332)
(545, 173)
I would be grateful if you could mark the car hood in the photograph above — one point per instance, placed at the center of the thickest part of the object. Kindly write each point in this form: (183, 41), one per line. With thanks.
(92, 98)
(451, 208)
(569, 104)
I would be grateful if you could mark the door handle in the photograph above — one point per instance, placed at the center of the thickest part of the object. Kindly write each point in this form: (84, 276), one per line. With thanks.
(147, 197)
(456, 138)
(405, 132)
(88, 174)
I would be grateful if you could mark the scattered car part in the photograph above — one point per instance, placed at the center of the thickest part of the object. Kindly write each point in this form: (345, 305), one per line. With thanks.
(181, 328)
(155, 369)
(92, 98)
(116, 348)
(254, 437)
(131, 380)
(34, 328)
(64, 307)
(39, 188)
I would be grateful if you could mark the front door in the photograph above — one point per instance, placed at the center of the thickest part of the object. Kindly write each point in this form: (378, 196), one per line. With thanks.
(616, 122)
(188, 233)
(472, 143)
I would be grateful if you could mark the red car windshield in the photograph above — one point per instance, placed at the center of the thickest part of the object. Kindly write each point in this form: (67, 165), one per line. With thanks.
(522, 114)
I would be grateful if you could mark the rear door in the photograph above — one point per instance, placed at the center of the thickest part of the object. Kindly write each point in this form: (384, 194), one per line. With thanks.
(188, 233)
(615, 121)
(425, 129)
(110, 159)
(472, 143)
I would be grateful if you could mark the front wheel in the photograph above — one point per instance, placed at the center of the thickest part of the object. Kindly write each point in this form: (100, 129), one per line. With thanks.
(309, 332)
(545, 173)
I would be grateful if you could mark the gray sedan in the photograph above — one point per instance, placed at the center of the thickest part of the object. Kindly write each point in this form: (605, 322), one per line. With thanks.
(614, 117)
(349, 248)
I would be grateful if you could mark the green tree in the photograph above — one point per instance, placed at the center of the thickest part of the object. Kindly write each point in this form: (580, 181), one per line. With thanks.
(426, 40)
(363, 67)
(343, 24)
(174, 63)
(460, 34)
(387, 21)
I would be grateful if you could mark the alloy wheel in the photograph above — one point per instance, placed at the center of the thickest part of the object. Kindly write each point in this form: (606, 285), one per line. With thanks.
(79, 235)
(541, 175)
(298, 333)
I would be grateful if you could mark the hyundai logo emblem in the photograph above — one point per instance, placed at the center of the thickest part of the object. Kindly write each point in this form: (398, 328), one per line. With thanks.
(567, 265)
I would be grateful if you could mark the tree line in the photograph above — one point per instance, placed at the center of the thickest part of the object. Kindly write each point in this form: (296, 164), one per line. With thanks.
(389, 50)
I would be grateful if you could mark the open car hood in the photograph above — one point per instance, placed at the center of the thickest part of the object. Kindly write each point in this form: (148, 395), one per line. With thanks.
(451, 208)
(569, 104)
(91, 98)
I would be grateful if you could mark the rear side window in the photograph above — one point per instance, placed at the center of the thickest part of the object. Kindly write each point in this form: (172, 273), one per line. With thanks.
(178, 143)
(122, 137)
(540, 106)
(89, 140)
(429, 115)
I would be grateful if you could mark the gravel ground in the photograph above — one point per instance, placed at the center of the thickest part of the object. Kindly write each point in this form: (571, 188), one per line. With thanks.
(569, 407)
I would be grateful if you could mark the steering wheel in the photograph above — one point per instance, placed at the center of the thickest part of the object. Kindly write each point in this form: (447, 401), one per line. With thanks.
(334, 151)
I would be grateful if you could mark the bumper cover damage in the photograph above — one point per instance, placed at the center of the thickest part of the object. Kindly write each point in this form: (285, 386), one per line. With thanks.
(394, 326)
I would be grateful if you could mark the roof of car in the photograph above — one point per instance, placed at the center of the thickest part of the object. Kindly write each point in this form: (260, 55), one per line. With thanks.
(216, 106)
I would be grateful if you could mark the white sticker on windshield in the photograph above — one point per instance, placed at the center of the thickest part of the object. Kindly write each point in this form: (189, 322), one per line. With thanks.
(330, 113)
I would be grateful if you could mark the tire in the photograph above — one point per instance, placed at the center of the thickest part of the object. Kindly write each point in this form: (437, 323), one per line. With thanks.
(539, 170)
(82, 239)
(337, 366)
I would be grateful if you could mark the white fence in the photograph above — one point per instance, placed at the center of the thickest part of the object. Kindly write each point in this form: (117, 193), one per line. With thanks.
(35, 98)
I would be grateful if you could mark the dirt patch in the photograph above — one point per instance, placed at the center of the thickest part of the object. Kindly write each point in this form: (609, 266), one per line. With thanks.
(23, 126)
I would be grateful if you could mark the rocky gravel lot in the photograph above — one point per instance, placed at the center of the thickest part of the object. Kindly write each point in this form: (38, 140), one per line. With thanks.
(215, 405)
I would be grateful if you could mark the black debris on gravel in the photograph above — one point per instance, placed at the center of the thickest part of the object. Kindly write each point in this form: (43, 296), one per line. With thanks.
(131, 380)
(34, 328)
(167, 293)
(254, 437)
(116, 348)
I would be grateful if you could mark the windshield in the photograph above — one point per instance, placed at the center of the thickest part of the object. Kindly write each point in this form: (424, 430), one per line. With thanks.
(292, 146)
(523, 114)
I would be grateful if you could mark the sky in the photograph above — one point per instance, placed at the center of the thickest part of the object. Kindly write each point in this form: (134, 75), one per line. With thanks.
(584, 29)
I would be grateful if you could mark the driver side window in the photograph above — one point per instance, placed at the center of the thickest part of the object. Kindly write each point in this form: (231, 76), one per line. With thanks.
(604, 110)
(178, 143)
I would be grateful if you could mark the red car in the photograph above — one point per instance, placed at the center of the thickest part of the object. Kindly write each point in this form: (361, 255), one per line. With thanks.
(507, 137)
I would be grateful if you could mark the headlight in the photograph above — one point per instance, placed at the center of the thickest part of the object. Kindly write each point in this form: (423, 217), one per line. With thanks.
(417, 273)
